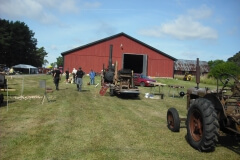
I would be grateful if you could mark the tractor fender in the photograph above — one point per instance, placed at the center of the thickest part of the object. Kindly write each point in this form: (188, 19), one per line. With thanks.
(217, 105)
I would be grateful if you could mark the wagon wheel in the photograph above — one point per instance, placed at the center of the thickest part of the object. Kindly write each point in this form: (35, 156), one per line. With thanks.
(173, 120)
(202, 125)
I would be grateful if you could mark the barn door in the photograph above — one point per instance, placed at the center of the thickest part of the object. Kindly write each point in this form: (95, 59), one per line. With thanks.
(144, 69)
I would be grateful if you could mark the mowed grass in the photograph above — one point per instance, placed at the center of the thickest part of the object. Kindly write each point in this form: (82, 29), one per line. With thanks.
(85, 125)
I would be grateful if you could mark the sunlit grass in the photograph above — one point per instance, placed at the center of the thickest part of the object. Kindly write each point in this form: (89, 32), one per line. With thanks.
(85, 125)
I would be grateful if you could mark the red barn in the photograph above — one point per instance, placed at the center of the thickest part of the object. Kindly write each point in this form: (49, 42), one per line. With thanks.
(129, 52)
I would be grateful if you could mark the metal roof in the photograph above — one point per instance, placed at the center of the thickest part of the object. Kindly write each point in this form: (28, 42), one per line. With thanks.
(190, 65)
(115, 36)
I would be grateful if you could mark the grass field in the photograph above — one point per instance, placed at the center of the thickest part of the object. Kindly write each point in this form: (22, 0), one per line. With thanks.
(85, 125)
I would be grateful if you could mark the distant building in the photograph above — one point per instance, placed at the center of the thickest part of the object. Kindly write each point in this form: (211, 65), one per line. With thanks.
(182, 66)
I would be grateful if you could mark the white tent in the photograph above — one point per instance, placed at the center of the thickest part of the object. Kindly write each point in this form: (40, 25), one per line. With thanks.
(30, 68)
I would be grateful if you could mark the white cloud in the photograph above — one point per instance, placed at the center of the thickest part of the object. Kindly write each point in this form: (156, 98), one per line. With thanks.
(48, 3)
(45, 11)
(200, 13)
(18, 8)
(27, 9)
(68, 6)
(54, 47)
(185, 26)
(92, 5)
(189, 55)
(106, 29)
(233, 31)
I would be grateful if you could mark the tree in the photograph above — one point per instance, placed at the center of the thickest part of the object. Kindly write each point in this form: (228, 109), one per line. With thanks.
(45, 62)
(224, 67)
(212, 64)
(18, 45)
(41, 53)
(59, 61)
(53, 64)
(235, 59)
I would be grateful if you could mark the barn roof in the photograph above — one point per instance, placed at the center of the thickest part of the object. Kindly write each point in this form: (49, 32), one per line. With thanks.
(115, 36)
(190, 65)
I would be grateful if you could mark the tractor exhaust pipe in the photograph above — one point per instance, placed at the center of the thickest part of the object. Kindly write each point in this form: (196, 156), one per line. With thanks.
(109, 74)
(197, 73)
(110, 58)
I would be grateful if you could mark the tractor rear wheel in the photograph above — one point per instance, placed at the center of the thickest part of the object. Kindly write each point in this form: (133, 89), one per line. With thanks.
(173, 120)
(202, 125)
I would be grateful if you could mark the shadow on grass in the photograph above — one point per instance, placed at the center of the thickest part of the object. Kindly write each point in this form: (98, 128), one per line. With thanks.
(230, 142)
(183, 126)
(12, 84)
(5, 103)
(83, 90)
(61, 89)
(52, 100)
(129, 96)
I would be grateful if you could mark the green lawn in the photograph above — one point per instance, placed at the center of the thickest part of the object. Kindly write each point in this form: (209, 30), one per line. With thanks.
(85, 125)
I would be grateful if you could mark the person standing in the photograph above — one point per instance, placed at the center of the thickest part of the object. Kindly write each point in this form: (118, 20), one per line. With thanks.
(57, 78)
(79, 76)
(74, 71)
(67, 76)
(92, 75)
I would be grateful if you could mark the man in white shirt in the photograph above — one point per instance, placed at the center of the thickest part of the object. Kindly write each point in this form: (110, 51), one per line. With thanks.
(74, 71)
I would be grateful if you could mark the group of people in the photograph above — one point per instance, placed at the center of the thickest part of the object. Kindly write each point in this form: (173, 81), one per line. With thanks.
(77, 77)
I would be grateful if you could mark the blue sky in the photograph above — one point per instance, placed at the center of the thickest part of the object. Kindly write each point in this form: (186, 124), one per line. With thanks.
(183, 29)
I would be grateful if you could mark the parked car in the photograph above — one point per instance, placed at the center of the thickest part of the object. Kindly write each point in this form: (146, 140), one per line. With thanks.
(142, 80)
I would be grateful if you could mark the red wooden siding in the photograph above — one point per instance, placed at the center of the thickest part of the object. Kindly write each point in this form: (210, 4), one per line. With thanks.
(94, 56)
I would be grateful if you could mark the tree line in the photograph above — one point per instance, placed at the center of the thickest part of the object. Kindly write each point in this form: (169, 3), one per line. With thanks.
(231, 66)
(18, 45)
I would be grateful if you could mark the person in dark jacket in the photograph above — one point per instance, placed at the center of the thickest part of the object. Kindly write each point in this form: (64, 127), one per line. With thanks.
(79, 76)
(57, 78)
(67, 76)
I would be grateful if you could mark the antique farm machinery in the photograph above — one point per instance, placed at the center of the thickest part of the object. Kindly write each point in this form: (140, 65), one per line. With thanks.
(209, 112)
(120, 82)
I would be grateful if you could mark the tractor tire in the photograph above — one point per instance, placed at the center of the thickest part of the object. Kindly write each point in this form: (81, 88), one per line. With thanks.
(202, 125)
(142, 84)
(173, 120)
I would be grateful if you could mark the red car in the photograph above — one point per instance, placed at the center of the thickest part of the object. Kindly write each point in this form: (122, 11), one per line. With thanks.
(141, 80)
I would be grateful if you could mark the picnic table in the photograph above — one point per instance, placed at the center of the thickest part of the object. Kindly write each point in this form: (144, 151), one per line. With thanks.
(157, 88)
(174, 89)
